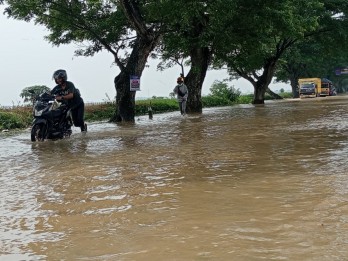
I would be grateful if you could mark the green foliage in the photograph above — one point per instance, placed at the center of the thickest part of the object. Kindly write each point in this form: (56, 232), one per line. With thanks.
(15, 119)
(215, 101)
(105, 111)
(221, 89)
(316, 56)
(29, 93)
(286, 95)
(245, 99)
(99, 112)
(157, 105)
(98, 24)
(262, 31)
(245, 35)
(264, 28)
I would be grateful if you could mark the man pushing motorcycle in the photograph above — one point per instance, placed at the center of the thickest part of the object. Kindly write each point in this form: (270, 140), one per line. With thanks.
(66, 91)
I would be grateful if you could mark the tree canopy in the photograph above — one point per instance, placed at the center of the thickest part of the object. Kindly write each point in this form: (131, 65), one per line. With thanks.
(29, 93)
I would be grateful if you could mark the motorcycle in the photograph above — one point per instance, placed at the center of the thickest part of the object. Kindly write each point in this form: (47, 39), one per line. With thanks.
(52, 119)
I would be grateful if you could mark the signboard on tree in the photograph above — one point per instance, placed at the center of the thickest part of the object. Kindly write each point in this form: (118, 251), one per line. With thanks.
(341, 70)
(134, 83)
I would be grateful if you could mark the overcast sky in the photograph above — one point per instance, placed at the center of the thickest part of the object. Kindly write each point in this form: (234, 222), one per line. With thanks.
(27, 59)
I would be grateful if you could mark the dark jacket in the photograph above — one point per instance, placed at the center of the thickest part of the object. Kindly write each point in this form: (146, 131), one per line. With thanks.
(70, 88)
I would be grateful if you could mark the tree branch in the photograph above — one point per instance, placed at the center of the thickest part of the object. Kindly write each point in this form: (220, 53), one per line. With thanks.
(132, 12)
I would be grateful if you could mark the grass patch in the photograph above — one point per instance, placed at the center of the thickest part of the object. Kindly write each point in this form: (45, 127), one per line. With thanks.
(15, 118)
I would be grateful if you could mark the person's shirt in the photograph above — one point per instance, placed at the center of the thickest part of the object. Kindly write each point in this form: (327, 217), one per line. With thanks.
(69, 88)
(181, 91)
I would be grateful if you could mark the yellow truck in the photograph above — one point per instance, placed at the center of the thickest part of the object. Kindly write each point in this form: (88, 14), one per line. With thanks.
(314, 87)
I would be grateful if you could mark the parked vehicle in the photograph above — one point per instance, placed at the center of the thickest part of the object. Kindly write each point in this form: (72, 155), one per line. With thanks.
(52, 119)
(308, 89)
(315, 87)
(326, 87)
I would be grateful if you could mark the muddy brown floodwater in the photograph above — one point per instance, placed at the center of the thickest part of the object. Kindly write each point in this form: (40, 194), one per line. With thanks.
(235, 183)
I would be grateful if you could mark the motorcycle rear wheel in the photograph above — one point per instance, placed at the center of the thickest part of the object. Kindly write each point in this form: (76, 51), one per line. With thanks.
(38, 132)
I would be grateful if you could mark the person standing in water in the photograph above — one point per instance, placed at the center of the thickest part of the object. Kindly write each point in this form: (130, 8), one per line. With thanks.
(182, 93)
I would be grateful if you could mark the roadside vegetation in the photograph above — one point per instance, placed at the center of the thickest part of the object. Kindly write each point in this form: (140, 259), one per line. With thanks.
(20, 117)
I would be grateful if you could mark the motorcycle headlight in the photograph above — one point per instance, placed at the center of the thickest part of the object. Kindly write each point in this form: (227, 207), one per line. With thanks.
(38, 112)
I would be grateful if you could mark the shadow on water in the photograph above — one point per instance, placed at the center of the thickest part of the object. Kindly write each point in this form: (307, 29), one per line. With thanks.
(235, 183)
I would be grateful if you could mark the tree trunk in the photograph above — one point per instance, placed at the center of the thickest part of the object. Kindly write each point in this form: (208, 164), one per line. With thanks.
(259, 93)
(295, 70)
(294, 87)
(262, 83)
(273, 94)
(125, 99)
(200, 58)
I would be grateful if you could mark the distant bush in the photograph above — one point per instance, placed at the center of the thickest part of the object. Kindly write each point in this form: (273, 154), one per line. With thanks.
(99, 111)
(16, 118)
(286, 95)
(222, 90)
(215, 101)
(105, 111)
(245, 99)
(158, 105)
(29, 93)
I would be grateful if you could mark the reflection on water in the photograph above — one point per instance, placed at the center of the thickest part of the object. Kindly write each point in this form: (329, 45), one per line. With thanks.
(239, 183)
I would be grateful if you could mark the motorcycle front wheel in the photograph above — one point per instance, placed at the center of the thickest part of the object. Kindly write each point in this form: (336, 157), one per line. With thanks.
(38, 132)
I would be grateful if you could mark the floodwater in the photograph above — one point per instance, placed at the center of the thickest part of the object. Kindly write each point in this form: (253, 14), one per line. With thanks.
(235, 183)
